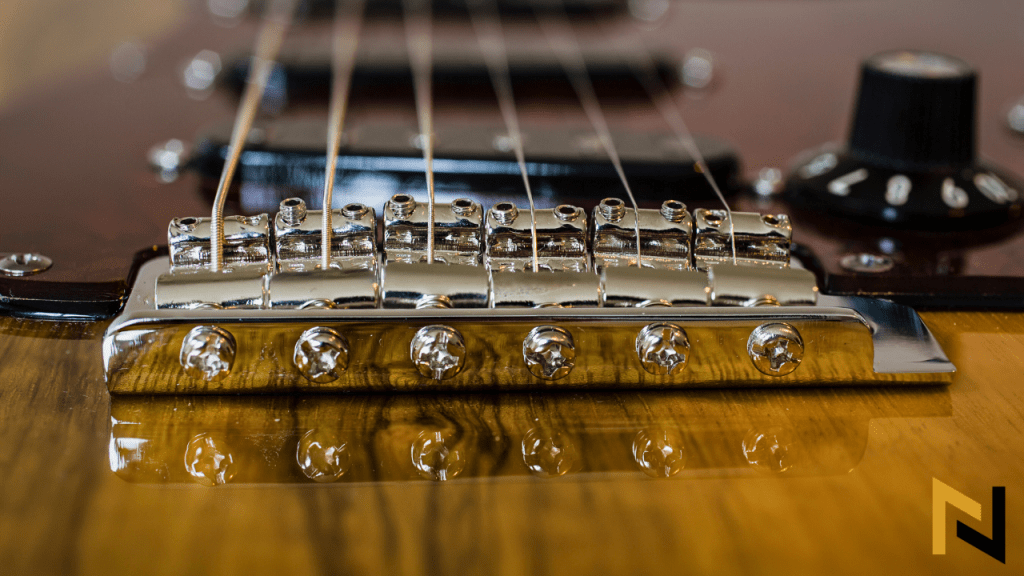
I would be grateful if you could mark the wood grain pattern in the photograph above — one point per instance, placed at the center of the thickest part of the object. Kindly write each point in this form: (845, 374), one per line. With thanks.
(62, 509)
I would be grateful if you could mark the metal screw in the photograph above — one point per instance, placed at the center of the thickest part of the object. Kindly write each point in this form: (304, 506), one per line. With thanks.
(698, 69)
(25, 264)
(207, 353)
(673, 210)
(464, 207)
(663, 348)
(567, 212)
(187, 224)
(775, 349)
(208, 460)
(768, 183)
(659, 452)
(775, 220)
(439, 352)
(167, 158)
(866, 263)
(402, 204)
(293, 211)
(505, 213)
(714, 218)
(549, 352)
(321, 354)
(354, 211)
(613, 209)
(549, 453)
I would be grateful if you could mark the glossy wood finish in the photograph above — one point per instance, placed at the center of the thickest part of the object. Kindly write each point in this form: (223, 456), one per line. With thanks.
(62, 509)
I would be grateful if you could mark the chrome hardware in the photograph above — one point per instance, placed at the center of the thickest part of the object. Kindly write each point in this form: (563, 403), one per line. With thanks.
(663, 348)
(207, 353)
(439, 352)
(545, 290)
(292, 212)
(644, 287)
(866, 263)
(321, 355)
(747, 286)
(167, 159)
(458, 232)
(775, 349)
(201, 288)
(665, 235)
(761, 240)
(549, 352)
(324, 289)
(246, 242)
(25, 264)
(874, 341)
(561, 239)
(423, 285)
(298, 234)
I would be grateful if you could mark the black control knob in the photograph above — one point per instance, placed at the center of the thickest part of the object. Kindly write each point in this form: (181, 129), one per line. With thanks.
(911, 159)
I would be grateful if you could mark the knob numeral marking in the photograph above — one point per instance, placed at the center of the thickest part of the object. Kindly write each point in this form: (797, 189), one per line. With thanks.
(897, 191)
(954, 196)
(994, 189)
(841, 186)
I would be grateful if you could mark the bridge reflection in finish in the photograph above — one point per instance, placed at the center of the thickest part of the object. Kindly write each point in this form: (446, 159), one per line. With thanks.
(216, 440)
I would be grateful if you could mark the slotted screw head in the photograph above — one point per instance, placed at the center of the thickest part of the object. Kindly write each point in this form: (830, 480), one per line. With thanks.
(775, 349)
(663, 348)
(207, 353)
(439, 352)
(321, 355)
(549, 352)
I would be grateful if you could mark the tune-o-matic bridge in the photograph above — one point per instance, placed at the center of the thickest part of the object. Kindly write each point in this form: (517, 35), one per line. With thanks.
(480, 317)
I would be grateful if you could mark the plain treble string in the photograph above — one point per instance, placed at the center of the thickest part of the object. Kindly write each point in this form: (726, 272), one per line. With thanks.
(491, 37)
(275, 24)
(562, 39)
(348, 19)
(646, 71)
(419, 42)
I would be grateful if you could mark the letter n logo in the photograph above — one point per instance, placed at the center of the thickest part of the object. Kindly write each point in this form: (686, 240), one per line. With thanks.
(994, 546)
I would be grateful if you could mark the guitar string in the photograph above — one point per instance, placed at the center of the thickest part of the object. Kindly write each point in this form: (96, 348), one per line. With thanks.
(268, 42)
(491, 37)
(562, 39)
(348, 19)
(419, 42)
(646, 72)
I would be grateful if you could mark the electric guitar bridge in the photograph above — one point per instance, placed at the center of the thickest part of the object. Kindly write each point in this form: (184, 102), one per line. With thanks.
(489, 313)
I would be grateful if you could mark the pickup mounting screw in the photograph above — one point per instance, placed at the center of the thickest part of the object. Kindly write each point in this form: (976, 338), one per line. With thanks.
(549, 352)
(663, 348)
(439, 352)
(321, 355)
(207, 353)
(775, 349)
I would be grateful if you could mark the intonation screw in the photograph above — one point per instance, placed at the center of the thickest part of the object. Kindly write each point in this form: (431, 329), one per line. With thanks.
(293, 211)
(613, 209)
(321, 354)
(403, 205)
(663, 348)
(439, 352)
(673, 210)
(505, 213)
(775, 349)
(549, 352)
(207, 353)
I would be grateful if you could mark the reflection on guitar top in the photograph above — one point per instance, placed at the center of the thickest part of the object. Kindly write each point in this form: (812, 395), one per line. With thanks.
(365, 439)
